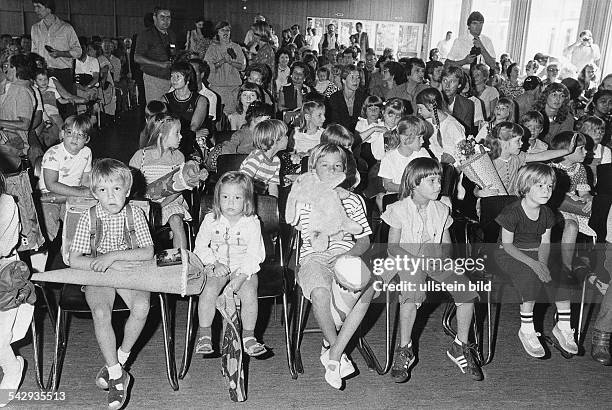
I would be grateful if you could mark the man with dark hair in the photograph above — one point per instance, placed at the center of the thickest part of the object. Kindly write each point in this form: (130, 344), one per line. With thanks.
(5, 41)
(329, 40)
(296, 37)
(360, 39)
(155, 48)
(57, 42)
(472, 46)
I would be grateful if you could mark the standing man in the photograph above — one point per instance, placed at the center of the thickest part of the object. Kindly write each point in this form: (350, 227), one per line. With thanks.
(296, 37)
(154, 50)
(329, 40)
(361, 39)
(56, 41)
(583, 51)
(472, 46)
(444, 46)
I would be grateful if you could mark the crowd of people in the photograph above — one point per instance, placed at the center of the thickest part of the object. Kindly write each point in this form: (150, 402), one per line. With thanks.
(394, 128)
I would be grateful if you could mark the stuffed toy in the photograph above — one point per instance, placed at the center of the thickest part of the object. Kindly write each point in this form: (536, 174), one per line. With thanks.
(328, 219)
(186, 177)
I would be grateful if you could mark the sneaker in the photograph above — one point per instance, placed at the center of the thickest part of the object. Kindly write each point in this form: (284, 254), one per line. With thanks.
(118, 390)
(464, 356)
(204, 346)
(531, 344)
(346, 366)
(102, 378)
(332, 374)
(404, 358)
(565, 339)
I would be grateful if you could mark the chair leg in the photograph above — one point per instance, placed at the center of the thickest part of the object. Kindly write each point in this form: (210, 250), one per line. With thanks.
(60, 349)
(582, 305)
(38, 367)
(298, 330)
(188, 349)
(367, 352)
(290, 362)
(447, 317)
(168, 341)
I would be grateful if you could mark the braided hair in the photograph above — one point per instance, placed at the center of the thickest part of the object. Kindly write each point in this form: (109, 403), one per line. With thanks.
(431, 97)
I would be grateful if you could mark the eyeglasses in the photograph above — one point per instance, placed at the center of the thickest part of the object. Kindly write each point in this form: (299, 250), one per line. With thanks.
(76, 135)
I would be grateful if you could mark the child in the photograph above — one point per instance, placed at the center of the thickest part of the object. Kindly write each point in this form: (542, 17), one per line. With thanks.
(370, 122)
(410, 131)
(228, 261)
(448, 131)
(339, 135)
(152, 108)
(111, 182)
(324, 85)
(576, 187)
(247, 93)
(419, 226)
(504, 144)
(309, 134)
(241, 141)
(262, 164)
(595, 128)
(525, 236)
(158, 158)
(505, 110)
(533, 121)
(316, 269)
(51, 95)
(372, 136)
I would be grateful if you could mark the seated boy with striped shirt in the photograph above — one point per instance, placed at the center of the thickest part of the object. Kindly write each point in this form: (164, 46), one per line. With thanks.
(262, 164)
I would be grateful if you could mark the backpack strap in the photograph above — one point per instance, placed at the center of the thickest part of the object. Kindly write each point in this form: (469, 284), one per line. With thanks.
(130, 230)
(95, 231)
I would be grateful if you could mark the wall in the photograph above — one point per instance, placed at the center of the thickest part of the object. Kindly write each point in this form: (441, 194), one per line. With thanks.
(124, 17)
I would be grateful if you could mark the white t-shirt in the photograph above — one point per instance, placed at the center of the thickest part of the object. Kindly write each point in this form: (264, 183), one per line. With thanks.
(393, 164)
(212, 101)
(305, 142)
(452, 132)
(90, 66)
(444, 47)
(70, 167)
(376, 140)
(489, 94)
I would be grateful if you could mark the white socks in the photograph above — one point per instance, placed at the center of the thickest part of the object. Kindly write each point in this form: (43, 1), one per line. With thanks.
(122, 356)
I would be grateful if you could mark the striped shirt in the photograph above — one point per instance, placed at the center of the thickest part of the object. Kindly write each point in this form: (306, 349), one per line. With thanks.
(259, 167)
(354, 206)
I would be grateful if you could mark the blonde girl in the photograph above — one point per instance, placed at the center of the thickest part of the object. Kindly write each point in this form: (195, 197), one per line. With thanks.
(505, 110)
(309, 134)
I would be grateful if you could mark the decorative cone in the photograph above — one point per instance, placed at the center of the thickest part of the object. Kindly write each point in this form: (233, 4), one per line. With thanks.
(480, 170)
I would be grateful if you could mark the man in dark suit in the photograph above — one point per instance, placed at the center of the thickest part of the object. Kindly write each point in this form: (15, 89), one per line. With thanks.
(344, 106)
(462, 108)
(360, 39)
(296, 37)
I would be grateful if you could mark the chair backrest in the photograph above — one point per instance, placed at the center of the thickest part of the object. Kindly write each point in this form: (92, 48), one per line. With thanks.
(490, 207)
(229, 162)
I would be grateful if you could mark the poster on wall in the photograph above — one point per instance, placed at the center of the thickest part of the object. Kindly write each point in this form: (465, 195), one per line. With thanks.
(406, 39)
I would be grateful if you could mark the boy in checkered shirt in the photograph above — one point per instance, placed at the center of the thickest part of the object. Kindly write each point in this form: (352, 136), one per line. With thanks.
(111, 182)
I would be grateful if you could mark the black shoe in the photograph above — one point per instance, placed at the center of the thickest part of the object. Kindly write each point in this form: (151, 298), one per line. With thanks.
(404, 358)
(465, 357)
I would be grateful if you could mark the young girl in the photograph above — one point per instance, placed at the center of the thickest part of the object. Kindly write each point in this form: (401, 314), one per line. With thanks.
(370, 123)
(595, 128)
(153, 107)
(410, 131)
(316, 269)
(230, 245)
(309, 134)
(419, 226)
(504, 144)
(448, 131)
(533, 121)
(156, 159)
(373, 142)
(525, 235)
(338, 135)
(247, 93)
(505, 110)
(324, 85)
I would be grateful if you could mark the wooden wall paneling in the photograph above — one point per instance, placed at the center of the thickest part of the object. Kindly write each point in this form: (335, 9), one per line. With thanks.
(361, 9)
(10, 22)
(339, 9)
(127, 26)
(132, 8)
(88, 25)
(317, 8)
(381, 10)
(92, 7)
(10, 5)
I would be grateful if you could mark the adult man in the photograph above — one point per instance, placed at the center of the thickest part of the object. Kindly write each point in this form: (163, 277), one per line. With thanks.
(56, 41)
(360, 39)
(472, 46)
(329, 40)
(154, 50)
(370, 67)
(296, 37)
(542, 60)
(444, 46)
(583, 51)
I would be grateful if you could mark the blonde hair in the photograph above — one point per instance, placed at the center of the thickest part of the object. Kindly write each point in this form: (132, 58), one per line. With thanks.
(531, 174)
(243, 181)
(157, 129)
(106, 169)
(308, 108)
(337, 134)
(267, 132)
(504, 131)
(79, 123)
(323, 150)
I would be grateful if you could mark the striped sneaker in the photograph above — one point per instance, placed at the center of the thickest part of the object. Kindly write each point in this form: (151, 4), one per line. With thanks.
(464, 356)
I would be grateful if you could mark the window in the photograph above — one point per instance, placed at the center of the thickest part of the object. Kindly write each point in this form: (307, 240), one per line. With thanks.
(445, 18)
(497, 20)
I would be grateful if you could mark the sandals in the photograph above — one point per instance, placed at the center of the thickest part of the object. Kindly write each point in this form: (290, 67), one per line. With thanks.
(252, 347)
(204, 346)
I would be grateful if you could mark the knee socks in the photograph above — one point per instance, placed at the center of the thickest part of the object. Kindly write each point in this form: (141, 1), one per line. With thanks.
(564, 319)
(527, 322)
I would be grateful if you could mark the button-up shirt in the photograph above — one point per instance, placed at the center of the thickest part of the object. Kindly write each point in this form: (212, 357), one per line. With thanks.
(59, 35)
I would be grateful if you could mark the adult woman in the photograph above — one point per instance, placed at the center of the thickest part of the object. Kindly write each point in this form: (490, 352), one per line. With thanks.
(511, 87)
(286, 35)
(226, 61)
(16, 109)
(393, 76)
(291, 95)
(262, 51)
(487, 94)
(199, 39)
(189, 106)
(531, 68)
(281, 71)
(554, 106)
(345, 105)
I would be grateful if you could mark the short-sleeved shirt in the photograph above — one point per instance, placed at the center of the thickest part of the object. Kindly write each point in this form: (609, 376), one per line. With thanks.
(305, 142)
(393, 164)
(578, 181)
(259, 167)
(89, 66)
(527, 232)
(464, 43)
(508, 171)
(70, 167)
(155, 45)
(17, 101)
(113, 231)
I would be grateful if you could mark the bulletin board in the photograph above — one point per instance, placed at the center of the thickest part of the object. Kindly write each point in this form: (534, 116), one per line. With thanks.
(406, 39)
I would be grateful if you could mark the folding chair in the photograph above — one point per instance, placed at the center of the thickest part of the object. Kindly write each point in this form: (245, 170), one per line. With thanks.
(229, 162)
(272, 276)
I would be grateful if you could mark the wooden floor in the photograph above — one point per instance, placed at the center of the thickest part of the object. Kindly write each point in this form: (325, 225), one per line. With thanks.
(512, 380)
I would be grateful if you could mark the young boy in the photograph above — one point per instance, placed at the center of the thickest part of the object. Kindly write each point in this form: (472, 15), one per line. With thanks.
(262, 164)
(241, 141)
(534, 122)
(111, 182)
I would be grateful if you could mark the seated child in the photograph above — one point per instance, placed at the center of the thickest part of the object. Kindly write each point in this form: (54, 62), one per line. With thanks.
(324, 86)
(153, 107)
(371, 126)
(308, 135)
(595, 128)
(247, 94)
(339, 135)
(262, 164)
(418, 226)
(241, 141)
(230, 245)
(316, 269)
(533, 121)
(118, 249)
(525, 236)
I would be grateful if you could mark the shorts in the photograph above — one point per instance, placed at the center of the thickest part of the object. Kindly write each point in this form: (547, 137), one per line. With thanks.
(315, 271)
(53, 213)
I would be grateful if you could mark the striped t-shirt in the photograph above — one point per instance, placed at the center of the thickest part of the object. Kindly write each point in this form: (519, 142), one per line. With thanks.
(259, 167)
(354, 206)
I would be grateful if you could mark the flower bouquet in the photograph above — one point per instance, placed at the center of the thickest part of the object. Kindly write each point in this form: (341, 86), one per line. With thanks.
(476, 164)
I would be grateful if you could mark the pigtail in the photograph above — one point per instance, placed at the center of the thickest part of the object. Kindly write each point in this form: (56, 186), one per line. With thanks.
(434, 107)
